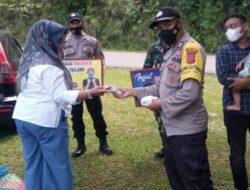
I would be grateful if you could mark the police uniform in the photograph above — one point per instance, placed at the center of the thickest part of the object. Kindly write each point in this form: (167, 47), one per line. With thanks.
(154, 59)
(184, 115)
(85, 46)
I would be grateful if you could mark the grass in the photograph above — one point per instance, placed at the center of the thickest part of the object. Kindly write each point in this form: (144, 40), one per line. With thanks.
(133, 136)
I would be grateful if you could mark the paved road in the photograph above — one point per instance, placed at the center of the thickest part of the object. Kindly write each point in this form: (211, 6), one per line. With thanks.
(135, 60)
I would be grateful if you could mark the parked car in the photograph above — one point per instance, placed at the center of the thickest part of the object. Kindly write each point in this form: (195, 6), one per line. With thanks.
(10, 54)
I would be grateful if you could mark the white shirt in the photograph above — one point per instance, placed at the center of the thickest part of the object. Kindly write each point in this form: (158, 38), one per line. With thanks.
(43, 96)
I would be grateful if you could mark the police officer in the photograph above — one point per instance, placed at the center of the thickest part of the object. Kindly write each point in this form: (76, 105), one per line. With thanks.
(154, 59)
(82, 46)
(184, 115)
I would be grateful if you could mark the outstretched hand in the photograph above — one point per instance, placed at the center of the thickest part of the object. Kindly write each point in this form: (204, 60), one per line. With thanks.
(97, 91)
(122, 93)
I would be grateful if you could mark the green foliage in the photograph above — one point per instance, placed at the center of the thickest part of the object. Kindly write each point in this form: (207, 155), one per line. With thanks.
(123, 24)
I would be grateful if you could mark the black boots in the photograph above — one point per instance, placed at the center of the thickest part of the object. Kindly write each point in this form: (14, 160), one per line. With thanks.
(104, 147)
(81, 147)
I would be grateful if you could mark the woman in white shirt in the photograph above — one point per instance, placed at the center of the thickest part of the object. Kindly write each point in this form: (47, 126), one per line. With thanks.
(42, 107)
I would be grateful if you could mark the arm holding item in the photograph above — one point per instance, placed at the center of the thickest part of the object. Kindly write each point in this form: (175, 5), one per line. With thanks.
(242, 82)
(239, 84)
(141, 93)
(52, 79)
(96, 91)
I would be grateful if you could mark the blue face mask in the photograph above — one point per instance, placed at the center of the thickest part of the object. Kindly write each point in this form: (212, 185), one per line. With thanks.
(90, 75)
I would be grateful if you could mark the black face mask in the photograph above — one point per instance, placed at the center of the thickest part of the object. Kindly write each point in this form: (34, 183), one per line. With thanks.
(168, 35)
(77, 30)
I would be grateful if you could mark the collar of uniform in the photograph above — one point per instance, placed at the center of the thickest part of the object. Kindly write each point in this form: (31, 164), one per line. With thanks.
(182, 40)
(84, 34)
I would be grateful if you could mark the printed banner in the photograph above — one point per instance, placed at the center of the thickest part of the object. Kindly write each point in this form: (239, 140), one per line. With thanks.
(86, 73)
(143, 78)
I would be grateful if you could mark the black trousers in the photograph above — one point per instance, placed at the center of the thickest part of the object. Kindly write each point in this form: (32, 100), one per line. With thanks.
(186, 162)
(237, 126)
(94, 107)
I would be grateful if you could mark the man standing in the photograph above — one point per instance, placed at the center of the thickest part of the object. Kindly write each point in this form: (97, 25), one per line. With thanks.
(154, 59)
(237, 122)
(82, 46)
(184, 115)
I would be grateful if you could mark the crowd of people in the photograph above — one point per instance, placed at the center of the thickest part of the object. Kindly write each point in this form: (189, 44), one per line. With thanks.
(47, 97)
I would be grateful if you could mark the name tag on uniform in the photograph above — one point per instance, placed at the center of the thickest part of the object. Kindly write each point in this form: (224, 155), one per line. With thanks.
(68, 51)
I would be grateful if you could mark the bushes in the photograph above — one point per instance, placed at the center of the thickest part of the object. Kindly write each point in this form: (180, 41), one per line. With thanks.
(123, 24)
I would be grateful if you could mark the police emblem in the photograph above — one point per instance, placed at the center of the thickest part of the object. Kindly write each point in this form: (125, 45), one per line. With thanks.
(171, 66)
(172, 78)
(191, 52)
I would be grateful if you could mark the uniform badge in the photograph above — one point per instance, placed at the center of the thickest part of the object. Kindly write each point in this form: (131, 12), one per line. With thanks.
(88, 51)
(191, 52)
(172, 78)
(68, 51)
(171, 66)
(178, 53)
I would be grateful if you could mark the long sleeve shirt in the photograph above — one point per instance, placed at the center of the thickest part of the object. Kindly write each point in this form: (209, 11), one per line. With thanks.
(43, 97)
(180, 89)
(227, 57)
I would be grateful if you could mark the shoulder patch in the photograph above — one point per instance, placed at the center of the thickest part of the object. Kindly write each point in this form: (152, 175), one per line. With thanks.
(192, 63)
(191, 55)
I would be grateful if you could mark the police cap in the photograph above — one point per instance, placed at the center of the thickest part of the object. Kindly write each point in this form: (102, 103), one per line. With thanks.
(165, 13)
(74, 16)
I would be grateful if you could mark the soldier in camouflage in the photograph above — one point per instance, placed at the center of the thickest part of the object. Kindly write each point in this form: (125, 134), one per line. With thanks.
(79, 45)
(154, 59)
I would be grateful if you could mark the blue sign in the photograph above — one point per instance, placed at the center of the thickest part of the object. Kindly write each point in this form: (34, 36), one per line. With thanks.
(144, 77)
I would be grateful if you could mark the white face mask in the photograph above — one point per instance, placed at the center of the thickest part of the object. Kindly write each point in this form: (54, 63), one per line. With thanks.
(234, 34)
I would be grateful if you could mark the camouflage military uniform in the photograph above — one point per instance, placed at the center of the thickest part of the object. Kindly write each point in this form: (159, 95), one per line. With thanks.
(155, 54)
(154, 59)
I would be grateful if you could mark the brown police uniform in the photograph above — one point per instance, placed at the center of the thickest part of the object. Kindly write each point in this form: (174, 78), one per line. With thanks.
(180, 108)
(83, 47)
(184, 115)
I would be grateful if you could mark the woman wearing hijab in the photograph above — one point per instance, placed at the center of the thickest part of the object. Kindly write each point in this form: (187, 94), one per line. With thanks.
(42, 107)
